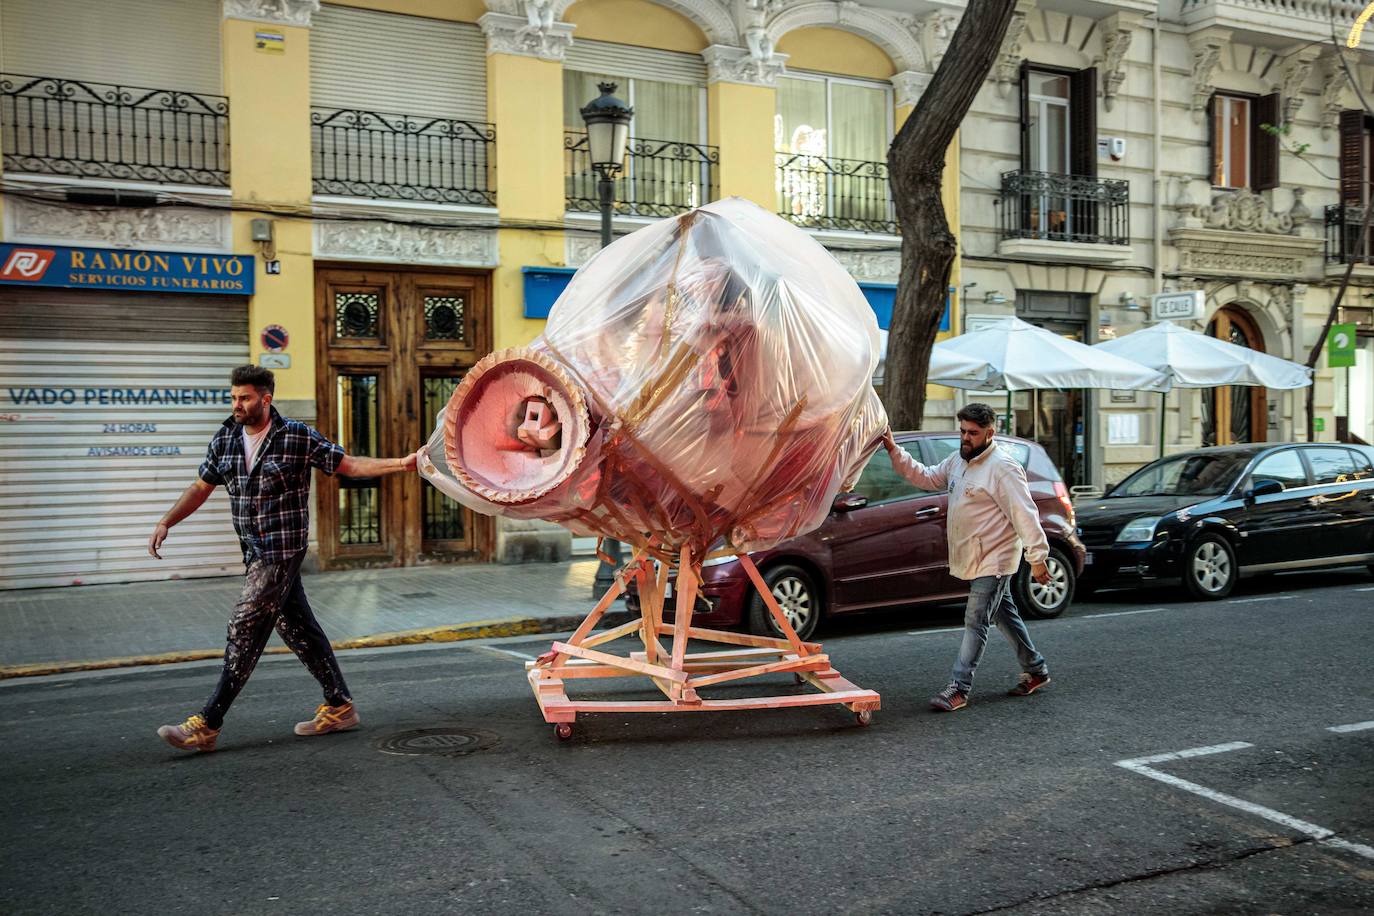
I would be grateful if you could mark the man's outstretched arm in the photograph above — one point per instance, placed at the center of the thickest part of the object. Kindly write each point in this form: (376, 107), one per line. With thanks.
(192, 499)
(359, 466)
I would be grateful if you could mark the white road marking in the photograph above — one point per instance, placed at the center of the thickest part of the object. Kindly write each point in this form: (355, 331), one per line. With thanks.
(520, 655)
(1327, 837)
(1355, 727)
(1265, 598)
(1148, 610)
(929, 632)
(1370, 589)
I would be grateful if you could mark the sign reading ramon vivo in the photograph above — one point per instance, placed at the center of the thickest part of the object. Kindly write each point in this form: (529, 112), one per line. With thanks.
(141, 271)
(1185, 306)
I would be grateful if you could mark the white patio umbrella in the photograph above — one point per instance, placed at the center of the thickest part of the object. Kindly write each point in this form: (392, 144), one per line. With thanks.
(1192, 360)
(947, 364)
(1014, 355)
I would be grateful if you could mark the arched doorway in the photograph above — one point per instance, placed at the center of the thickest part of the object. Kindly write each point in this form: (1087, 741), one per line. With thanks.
(1235, 413)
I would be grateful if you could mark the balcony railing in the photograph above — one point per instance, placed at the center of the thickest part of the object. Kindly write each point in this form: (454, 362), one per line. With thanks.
(1343, 224)
(403, 157)
(822, 192)
(661, 177)
(1065, 208)
(56, 126)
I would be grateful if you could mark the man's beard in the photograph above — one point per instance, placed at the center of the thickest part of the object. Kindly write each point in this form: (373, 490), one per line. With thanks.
(249, 420)
(968, 453)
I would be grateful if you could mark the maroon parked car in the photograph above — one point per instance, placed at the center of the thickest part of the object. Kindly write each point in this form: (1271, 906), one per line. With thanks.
(884, 546)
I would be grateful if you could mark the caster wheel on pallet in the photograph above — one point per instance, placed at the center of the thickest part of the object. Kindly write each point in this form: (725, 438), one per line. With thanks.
(563, 731)
(864, 717)
(799, 679)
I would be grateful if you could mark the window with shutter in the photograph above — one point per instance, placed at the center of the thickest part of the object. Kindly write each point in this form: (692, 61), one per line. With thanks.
(1083, 118)
(1265, 143)
(1231, 121)
(1354, 157)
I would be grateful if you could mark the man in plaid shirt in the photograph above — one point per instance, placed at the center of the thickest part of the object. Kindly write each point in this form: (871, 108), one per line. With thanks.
(264, 461)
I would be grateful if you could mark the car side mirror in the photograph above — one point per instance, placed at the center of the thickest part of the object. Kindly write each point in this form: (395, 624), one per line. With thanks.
(1263, 487)
(848, 502)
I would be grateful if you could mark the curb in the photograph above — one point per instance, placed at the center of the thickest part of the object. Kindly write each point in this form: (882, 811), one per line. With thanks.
(477, 629)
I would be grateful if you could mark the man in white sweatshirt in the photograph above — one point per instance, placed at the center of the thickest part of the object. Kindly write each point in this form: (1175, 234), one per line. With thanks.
(991, 515)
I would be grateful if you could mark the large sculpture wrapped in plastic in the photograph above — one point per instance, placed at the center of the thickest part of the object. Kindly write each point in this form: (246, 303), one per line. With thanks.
(705, 381)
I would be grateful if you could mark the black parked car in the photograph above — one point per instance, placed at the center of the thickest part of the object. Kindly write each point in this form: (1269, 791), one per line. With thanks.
(1207, 516)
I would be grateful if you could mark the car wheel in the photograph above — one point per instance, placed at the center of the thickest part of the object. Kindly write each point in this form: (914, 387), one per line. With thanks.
(1209, 568)
(797, 595)
(1045, 601)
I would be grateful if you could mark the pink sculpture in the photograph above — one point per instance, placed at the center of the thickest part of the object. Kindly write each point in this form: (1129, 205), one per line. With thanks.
(703, 384)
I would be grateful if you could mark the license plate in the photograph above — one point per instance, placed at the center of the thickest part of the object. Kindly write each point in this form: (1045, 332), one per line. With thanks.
(1088, 559)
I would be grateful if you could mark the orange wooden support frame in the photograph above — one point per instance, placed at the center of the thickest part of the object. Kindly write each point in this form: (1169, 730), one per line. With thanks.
(677, 673)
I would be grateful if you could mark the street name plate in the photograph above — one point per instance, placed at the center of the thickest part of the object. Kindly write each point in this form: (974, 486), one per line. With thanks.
(1185, 306)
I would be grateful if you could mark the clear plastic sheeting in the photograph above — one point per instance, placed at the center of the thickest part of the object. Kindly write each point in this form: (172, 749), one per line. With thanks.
(704, 380)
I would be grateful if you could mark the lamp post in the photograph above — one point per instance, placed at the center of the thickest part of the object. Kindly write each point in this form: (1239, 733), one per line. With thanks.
(608, 132)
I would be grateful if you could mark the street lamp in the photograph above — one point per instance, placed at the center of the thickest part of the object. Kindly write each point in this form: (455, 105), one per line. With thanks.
(608, 133)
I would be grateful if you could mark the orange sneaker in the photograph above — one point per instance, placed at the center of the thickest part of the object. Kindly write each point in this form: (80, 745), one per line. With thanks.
(1028, 684)
(329, 719)
(191, 735)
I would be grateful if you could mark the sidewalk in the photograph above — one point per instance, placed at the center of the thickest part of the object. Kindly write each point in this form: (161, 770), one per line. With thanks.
(103, 626)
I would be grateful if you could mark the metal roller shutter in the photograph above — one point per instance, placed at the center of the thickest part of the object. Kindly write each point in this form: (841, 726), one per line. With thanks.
(101, 430)
(396, 64)
(636, 62)
(177, 41)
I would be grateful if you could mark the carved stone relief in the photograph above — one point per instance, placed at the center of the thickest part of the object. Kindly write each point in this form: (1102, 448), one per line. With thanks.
(280, 12)
(878, 266)
(1116, 41)
(725, 64)
(151, 227)
(1206, 55)
(1008, 66)
(374, 240)
(530, 35)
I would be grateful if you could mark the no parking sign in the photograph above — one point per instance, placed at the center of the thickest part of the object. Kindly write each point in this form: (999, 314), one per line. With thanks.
(275, 338)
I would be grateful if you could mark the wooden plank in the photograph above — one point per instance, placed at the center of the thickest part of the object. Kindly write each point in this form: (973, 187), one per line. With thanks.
(792, 663)
(771, 603)
(597, 613)
(611, 635)
(743, 639)
(616, 661)
(855, 699)
(686, 601)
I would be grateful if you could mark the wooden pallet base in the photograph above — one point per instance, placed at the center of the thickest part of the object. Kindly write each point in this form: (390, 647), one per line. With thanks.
(678, 674)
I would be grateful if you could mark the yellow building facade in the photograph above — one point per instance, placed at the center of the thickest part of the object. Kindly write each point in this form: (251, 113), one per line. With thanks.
(408, 181)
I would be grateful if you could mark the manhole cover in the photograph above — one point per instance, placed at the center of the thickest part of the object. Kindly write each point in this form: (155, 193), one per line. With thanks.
(437, 742)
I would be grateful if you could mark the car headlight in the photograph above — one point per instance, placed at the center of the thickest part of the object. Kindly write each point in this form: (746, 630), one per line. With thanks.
(720, 561)
(1140, 529)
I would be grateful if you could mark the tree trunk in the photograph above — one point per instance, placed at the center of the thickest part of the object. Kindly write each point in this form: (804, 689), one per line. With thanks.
(916, 163)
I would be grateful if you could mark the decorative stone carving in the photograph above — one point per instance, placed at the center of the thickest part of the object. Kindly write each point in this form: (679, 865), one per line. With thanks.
(1116, 41)
(534, 34)
(1295, 74)
(887, 30)
(1244, 211)
(1008, 66)
(934, 32)
(1206, 46)
(119, 227)
(909, 85)
(1299, 213)
(374, 240)
(737, 65)
(279, 12)
(1334, 80)
(878, 266)
(579, 249)
(1249, 255)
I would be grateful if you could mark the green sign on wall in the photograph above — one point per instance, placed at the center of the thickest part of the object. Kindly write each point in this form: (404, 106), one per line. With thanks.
(1340, 346)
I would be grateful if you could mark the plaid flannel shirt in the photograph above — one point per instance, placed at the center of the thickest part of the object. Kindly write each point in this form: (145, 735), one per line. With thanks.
(270, 502)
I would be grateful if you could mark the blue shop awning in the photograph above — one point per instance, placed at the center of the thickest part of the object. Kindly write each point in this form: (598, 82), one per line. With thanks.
(880, 297)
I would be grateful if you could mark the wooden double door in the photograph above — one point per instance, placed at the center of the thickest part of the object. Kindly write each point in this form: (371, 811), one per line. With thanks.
(393, 345)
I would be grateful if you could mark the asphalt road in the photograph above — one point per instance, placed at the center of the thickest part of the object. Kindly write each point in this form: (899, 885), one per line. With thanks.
(1017, 805)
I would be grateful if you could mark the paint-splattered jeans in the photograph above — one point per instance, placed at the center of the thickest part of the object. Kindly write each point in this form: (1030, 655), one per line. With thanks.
(989, 601)
(273, 596)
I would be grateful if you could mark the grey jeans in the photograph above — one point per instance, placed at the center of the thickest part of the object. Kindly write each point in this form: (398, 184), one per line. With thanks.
(989, 601)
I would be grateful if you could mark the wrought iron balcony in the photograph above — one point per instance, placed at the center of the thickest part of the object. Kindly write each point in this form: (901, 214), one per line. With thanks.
(661, 177)
(822, 192)
(403, 157)
(56, 126)
(1065, 208)
(1343, 224)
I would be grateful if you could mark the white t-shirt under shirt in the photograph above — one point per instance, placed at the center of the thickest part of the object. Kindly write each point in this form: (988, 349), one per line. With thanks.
(251, 443)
